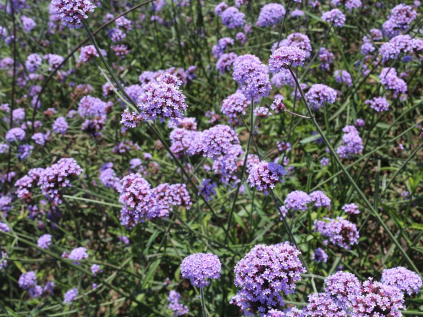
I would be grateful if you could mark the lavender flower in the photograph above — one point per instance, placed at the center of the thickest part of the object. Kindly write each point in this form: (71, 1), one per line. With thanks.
(178, 308)
(334, 17)
(319, 94)
(120, 50)
(232, 18)
(58, 176)
(342, 285)
(35, 292)
(322, 305)
(124, 240)
(339, 231)
(351, 142)
(72, 12)
(48, 288)
(265, 175)
(297, 200)
(199, 267)
(262, 274)
(221, 46)
(44, 241)
(27, 280)
(298, 40)
(297, 13)
(207, 189)
(33, 62)
(359, 123)
(217, 140)
(319, 255)
(377, 299)
(78, 254)
(39, 138)
(320, 199)
(15, 134)
(403, 279)
(379, 104)
(278, 106)
(70, 295)
(270, 15)
(252, 76)
(351, 209)
(234, 106)
(60, 125)
(285, 57)
(5, 204)
(162, 99)
(108, 178)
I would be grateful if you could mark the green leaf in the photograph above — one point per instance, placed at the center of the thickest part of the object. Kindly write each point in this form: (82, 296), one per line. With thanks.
(418, 226)
(150, 272)
(310, 139)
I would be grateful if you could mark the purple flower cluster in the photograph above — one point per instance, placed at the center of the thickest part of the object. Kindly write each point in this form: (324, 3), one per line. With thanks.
(389, 78)
(171, 195)
(162, 99)
(401, 17)
(199, 267)
(234, 106)
(27, 183)
(33, 62)
(403, 279)
(27, 280)
(207, 189)
(219, 8)
(351, 143)
(297, 200)
(78, 254)
(3, 260)
(322, 305)
(319, 255)
(252, 76)
(4, 227)
(108, 177)
(319, 94)
(44, 241)
(58, 176)
(217, 140)
(5, 204)
(270, 15)
(326, 58)
(178, 308)
(15, 134)
(334, 17)
(232, 18)
(72, 12)
(225, 62)
(24, 151)
(265, 175)
(285, 57)
(70, 295)
(219, 49)
(95, 268)
(343, 77)
(60, 125)
(351, 209)
(89, 52)
(263, 274)
(339, 231)
(342, 286)
(320, 199)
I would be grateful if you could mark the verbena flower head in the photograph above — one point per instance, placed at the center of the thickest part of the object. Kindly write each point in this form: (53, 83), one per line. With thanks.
(178, 308)
(265, 176)
(35, 292)
(27, 280)
(285, 57)
(3, 260)
(278, 105)
(252, 76)
(72, 12)
(298, 40)
(15, 134)
(403, 279)
(388, 77)
(334, 17)
(44, 241)
(217, 140)
(200, 267)
(4, 227)
(241, 38)
(219, 8)
(342, 285)
(108, 178)
(351, 143)
(207, 189)
(78, 254)
(33, 62)
(343, 77)
(225, 62)
(53, 179)
(319, 255)
(5, 204)
(232, 18)
(120, 50)
(95, 268)
(162, 99)
(60, 125)
(270, 15)
(377, 299)
(297, 13)
(171, 195)
(221, 46)
(402, 15)
(351, 209)
(322, 305)
(234, 106)
(339, 231)
(319, 94)
(89, 52)
(263, 274)
(379, 104)
(320, 199)
(297, 200)
(70, 295)
(24, 151)
(324, 161)
(326, 58)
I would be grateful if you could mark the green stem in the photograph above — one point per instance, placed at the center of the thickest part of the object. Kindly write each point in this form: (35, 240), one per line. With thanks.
(203, 304)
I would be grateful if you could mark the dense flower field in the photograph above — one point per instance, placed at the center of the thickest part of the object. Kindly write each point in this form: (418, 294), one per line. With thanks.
(196, 158)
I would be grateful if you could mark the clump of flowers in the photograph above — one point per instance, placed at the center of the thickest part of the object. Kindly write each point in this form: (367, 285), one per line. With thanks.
(343, 77)
(60, 125)
(78, 254)
(178, 308)
(339, 231)
(15, 134)
(232, 18)
(351, 209)
(72, 12)
(319, 255)
(44, 241)
(320, 199)
(70, 295)
(56, 177)
(319, 94)
(263, 274)
(389, 78)
(162, 99)
(351, 142)
(265, 176)
(217, 140)
(207, 189)
(342, 285)
(270, 15)
(252, 76)
(199, 267)
(225, 62)
(326, 58)
(221, 46)
(89, 52)
(403, 279)
(322, 305)
(234, 105)
(334, 17)
(297, 200)
(379, 104)
(284, 57)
